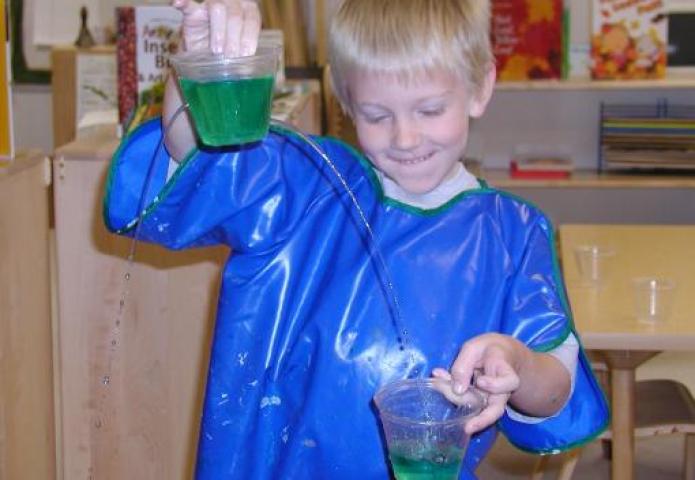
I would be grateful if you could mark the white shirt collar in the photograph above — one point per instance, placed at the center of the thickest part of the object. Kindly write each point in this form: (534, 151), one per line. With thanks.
(461, 181)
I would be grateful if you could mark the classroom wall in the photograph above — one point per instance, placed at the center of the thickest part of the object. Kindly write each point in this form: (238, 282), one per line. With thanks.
(553, 117)
(557, 116)
(32, 113)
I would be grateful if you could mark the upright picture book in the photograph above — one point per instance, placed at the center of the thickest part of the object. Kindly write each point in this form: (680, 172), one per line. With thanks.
(629, 39)
(527, 39)
(147, 37)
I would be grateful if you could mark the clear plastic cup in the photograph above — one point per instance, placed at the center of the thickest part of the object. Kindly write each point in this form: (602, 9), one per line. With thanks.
(653, 298)
(593, 263)
(229, 99)
(424, 430)
(275, 39)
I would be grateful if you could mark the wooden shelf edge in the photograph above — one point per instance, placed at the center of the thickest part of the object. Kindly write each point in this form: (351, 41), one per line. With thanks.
(582, 84)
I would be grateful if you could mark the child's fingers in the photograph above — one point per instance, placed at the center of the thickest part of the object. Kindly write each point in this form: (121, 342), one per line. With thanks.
(503, 384)
(468, 359)
(218, 25)
(235, 22)
(441, 373)
(499, 376)
(251, 28)
(489, 415)
(181, 4)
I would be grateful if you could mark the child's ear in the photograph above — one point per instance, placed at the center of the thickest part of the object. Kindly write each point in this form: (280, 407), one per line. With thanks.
(479, 102)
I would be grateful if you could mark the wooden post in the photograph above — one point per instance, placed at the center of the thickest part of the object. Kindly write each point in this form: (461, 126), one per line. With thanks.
(321, 40)
(271, 14)
(622, 365)
(27, 439)
(295, 34)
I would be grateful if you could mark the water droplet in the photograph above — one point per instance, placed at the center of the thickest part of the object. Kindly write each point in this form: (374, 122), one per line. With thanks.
(118, 323)
(439, 458)
(127, 276)
(106, 380)
(97, 423)
(122, 302)
(113, 342)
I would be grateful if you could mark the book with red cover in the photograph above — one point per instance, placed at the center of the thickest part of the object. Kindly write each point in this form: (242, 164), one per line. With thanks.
(516, 172)
(147, 36)
(527, 39)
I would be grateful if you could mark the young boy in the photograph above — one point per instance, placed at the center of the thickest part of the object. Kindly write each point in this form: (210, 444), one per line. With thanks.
(305, 333)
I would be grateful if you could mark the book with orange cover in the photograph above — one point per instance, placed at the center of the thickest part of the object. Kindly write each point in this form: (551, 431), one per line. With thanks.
(629, 39)
(527, 39)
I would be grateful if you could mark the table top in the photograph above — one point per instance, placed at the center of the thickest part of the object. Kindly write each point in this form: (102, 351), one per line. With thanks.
(604, 316)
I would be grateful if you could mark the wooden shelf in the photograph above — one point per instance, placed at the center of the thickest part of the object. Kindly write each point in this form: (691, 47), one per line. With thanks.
(500, 178)
(581, 84)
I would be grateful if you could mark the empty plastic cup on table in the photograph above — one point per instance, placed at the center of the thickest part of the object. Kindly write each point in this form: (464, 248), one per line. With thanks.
(593, 263)
(424, 430)
(229, 99)
(653, 298)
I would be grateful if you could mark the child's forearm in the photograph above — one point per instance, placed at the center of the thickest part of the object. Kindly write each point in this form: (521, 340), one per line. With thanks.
(544, 384)
(180, 138)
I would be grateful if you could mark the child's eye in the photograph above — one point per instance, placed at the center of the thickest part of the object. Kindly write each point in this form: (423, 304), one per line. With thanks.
(375, 118)
(432, 112)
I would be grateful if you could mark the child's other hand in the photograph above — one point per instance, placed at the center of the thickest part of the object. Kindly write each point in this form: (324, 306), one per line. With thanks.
(494, 360)
(229, 27)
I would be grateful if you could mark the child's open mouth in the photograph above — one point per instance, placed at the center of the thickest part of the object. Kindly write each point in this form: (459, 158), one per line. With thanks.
(413, 160)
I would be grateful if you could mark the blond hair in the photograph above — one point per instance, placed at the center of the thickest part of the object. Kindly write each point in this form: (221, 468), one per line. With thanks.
(409, 38)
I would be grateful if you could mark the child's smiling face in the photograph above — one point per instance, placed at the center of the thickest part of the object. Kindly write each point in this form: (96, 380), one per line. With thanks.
(415, 132)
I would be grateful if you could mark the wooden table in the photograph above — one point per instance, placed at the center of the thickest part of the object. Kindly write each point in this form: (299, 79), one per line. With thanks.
(604, 316)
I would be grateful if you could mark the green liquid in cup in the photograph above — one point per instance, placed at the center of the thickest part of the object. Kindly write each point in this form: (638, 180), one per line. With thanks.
(229, 112)
(429, 466)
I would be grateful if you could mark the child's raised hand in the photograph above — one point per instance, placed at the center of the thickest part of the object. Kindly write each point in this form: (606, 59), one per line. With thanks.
(490, 362)
(229, 27)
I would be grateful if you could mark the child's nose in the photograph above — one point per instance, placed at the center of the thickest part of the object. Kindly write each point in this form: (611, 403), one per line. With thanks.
(406, 135)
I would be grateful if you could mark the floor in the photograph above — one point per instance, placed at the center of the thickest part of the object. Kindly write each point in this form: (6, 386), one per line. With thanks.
(656, 458)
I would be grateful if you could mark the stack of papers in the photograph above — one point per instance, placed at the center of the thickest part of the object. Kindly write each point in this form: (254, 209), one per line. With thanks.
(648, 143)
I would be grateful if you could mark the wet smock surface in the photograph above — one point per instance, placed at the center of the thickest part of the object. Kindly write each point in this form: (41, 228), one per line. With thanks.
(305, 335)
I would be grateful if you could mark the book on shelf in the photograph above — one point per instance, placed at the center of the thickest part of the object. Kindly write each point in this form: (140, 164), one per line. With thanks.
(527, 39)
(541, 163)
(147, 36)
(629, 39)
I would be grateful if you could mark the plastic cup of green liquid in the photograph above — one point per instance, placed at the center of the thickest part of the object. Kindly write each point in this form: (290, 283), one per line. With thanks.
(229, 99)
(424, 430)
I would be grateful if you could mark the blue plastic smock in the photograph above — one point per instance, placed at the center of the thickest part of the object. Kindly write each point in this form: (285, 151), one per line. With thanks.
(304, 333)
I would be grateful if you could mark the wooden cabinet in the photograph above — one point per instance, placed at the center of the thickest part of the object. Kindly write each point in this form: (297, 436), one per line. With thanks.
(131, 383)
(141, 422)
(27, 445)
